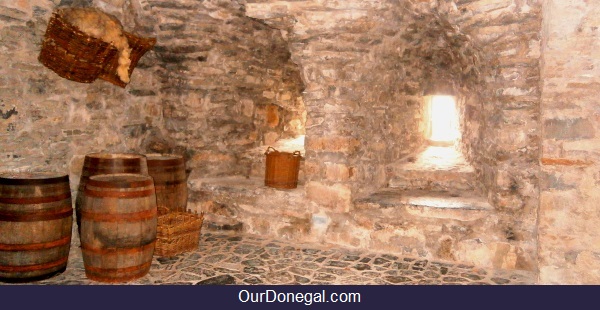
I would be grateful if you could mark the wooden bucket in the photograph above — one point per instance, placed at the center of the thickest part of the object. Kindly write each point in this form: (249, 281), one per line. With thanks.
(118, 227)
(170, 181)
(36, 218)
(107, 163)
(282, 168)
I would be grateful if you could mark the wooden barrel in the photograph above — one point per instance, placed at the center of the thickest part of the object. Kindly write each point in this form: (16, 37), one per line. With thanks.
(36, 218)
(170, 181)
(118, 227)
(107, 163)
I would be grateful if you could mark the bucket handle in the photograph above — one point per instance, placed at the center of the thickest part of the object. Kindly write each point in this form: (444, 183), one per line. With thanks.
(296, 153)
(269, 148)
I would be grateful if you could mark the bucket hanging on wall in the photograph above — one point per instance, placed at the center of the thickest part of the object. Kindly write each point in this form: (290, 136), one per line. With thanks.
(282, 168)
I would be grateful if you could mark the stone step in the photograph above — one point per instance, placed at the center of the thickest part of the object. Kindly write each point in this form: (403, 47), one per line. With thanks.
(436, 169)
(455, 205)
(446, 225)
(246, 204)
(434, 180)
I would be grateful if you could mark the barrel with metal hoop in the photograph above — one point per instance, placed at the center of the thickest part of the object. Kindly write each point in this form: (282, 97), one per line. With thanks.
(36, 218)
(118, 227)
(170, 181)
(107, 163)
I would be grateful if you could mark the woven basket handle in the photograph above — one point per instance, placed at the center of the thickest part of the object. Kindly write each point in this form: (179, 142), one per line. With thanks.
(297, 153)
(162, 210)
(270, 148)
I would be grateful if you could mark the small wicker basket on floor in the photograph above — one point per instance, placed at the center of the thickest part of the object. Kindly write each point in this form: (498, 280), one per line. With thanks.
(177, 232)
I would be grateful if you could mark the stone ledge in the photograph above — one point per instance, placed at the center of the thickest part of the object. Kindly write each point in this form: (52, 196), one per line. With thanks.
(448, 225)
(454, 226)
(457, 205)
(251, 186)
(246, 204)
(437, 180)
(433, 168)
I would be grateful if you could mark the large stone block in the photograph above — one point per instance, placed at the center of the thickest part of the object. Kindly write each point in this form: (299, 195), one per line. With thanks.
(337, 172)
(569, 129)
(499, 255)
(335, 197)
(588, 264)
(332, 144)
(272, 116)
(554, 181)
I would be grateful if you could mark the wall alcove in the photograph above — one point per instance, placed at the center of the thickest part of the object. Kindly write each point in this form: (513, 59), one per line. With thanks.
(367, 168)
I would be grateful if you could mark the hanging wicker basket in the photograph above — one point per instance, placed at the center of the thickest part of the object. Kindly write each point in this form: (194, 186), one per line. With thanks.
(71, 53)
(79, 57)
(139, 46)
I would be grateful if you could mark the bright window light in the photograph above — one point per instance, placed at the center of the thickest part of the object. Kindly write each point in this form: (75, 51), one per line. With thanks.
(444, 119)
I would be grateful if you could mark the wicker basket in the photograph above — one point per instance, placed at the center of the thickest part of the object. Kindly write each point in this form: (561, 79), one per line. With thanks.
(177, 232)
(79, 57)
(71, 53)
(282, 168)
(139, 46)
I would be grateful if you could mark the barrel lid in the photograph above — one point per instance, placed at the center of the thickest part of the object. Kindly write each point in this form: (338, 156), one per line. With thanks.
(103, 155)
(120, 180)
(31, 178)
(159, 156)
(126, 159)
(158, 159)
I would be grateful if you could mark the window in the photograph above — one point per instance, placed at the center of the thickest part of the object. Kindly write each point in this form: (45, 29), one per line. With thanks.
(442, 126)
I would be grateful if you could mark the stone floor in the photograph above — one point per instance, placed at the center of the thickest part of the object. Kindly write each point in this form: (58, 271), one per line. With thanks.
(226, 258)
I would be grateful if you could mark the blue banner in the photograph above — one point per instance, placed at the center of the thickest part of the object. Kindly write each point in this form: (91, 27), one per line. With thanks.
(221, 297)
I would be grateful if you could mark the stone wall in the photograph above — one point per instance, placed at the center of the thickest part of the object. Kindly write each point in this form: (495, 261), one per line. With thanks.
(227, 85)
(568, 235)
(216, 85)
(357, 121)
(489, 51)
(505, 110)
(49, 123)
(229, 77)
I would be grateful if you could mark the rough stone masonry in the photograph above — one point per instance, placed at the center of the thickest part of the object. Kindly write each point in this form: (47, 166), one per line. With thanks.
(227, 79)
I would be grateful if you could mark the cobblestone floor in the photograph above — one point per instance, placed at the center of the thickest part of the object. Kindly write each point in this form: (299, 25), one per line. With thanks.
(223, 259)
